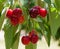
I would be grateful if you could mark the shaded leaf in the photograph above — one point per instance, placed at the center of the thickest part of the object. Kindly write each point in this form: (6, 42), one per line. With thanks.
(57, 36)
(57, 3)
(48, 1)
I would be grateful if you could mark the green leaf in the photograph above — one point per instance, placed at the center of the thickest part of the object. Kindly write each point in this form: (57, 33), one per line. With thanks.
(1, 7)
(2, 17)
(57, 36)
(1, 21)
(16, 38)
(9, 34)
(39, 3)
(46, 32)
(16, 41)
(28, 3)
(31, 46)
(54, 22)
(47, 35)
(48, 1)
(57, 3)
(1, 1)
(38, 29)
(0, 14)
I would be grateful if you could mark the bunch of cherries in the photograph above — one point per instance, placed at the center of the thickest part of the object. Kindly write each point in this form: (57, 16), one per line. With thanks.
(32, 37)
(16, 17)
(37, 10)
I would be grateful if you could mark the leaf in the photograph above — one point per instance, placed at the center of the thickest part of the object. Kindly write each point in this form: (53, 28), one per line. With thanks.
(16, 38)
(2, 17)
(1, 21)
(39, 3)
(54, 22)
(16, 41)
(1, 7)
(48, 1)
(46, 32)
(57, 36)
(47, 35)
(44, 28)
(0, 14)
(1, 1)
(9, 34)
(57, 3)
(38, 29)
(33, 46)
(28, 3)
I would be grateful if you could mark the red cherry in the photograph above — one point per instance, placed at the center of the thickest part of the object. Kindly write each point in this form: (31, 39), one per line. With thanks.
(25, 40)
(14, 21)
(33, 12)
(43, 12)
(9, 13)
(37, 7)
(32, 33)
(17, 12)
(21, 19)
(34, 39)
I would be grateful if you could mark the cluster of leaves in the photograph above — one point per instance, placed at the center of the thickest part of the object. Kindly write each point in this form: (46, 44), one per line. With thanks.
(44, 26)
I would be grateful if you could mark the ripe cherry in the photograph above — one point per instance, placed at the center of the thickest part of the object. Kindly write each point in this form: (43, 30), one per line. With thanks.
(21, 19)
(9, 13)
(43, 12)
(25, 40)
(33, 12)
(37, 7)
(32, 33)
(14, 21)
(17, 12)
(34, 38)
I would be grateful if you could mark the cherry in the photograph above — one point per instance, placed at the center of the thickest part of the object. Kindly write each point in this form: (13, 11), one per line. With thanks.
(43, 12)
(31, 33)
(21, 19)
(37, 7)
(17, 12)
(34, 38)
(9, 13)
(33, 12)
(25, 40)
(14, 21)
(15, 16)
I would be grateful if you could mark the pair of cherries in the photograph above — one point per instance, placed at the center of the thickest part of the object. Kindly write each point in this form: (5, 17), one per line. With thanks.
(37, 10)
(32, 37)
(15, 16)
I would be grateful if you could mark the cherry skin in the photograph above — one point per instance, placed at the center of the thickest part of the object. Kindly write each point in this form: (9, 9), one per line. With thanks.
(43, 12)
(33, 12)
(34, 38)
(25, 40)
(32, 33)
(9, 13)
(17, 12)
(21, 19)
(37, 7)
(14, 20)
